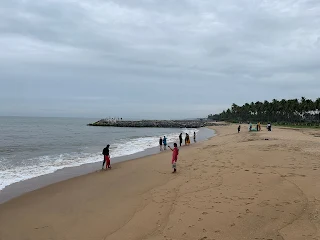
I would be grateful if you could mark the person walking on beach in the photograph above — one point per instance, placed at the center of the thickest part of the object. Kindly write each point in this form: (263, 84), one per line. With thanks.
(160, 143)
(175, 153)
(106, 157)
(194, 137)
(239, 128)
(165, 142)
(180, 139)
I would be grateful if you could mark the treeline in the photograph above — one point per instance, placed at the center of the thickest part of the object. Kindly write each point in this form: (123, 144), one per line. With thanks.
(293, 111)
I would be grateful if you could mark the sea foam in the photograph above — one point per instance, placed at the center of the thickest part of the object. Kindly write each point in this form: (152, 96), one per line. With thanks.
(43, 165)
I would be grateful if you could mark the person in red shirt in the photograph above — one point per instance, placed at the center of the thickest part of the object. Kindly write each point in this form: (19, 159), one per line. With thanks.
(106, 157)
(175, 153)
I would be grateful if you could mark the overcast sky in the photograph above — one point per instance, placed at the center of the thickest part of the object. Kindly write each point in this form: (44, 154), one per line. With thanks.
(154, 58)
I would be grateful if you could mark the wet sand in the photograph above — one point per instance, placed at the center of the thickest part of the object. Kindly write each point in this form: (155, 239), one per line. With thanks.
(19, 188)
(233, 186)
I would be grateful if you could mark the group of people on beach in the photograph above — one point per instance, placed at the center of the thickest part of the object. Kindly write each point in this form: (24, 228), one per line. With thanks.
(106, 157)
(175, 153)
(258, 129)
(163, 143)
(163, 146)
(186, 140)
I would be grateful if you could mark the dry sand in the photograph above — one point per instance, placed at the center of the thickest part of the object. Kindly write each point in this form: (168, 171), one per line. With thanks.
(233, 186)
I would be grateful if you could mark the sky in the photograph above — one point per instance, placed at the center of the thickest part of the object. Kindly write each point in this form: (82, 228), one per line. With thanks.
(154, 58)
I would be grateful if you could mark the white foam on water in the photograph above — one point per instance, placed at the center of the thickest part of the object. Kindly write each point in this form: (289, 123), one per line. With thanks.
(49, 164)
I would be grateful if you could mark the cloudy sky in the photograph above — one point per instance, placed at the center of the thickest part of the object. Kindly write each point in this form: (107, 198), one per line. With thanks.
(154, 58)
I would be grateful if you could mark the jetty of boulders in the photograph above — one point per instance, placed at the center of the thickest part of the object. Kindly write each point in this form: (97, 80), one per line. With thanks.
(154, 123)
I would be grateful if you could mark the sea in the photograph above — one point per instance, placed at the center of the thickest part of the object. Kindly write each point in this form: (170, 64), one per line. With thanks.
(31, 147)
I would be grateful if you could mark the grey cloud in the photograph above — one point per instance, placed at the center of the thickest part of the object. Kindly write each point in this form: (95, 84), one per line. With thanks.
(155, 58)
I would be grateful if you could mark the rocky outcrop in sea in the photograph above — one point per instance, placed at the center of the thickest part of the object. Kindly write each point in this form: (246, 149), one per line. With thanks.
(153, 123)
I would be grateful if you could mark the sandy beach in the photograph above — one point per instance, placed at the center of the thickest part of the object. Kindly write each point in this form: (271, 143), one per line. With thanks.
(258, 185)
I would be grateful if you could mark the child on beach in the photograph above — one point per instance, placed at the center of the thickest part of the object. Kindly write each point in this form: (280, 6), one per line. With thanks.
(106, 157)
(175, 153)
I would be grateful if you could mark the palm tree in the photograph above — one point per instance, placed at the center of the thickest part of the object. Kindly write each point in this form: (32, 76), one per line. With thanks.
(317, 107)
(283, 109)
(286, 111)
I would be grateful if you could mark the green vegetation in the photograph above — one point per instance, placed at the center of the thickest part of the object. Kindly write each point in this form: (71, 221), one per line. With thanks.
(291, 113)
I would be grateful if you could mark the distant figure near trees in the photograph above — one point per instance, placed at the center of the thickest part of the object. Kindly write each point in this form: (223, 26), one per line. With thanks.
(239, 128)
(269, 127)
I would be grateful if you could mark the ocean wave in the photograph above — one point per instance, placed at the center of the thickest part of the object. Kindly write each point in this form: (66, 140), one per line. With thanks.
(35, 167)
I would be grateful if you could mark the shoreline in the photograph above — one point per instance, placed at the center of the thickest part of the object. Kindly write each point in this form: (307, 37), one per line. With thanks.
(233, 186)
(20, 188)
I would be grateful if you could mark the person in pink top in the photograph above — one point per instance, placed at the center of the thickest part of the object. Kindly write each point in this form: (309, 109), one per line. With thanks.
(175, 153)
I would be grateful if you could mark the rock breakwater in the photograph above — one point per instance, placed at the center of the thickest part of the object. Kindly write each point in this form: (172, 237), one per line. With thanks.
(153, 123)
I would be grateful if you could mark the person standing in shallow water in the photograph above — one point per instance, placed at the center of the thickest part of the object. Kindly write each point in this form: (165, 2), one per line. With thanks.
(194, 137)
(165, 143)
(106, 157)
(180, 139)
(187, 139)
(160, 143)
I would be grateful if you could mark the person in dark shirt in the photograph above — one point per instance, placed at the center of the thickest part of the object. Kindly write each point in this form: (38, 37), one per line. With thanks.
(180, 138)
(106, 157)
(160, 143)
